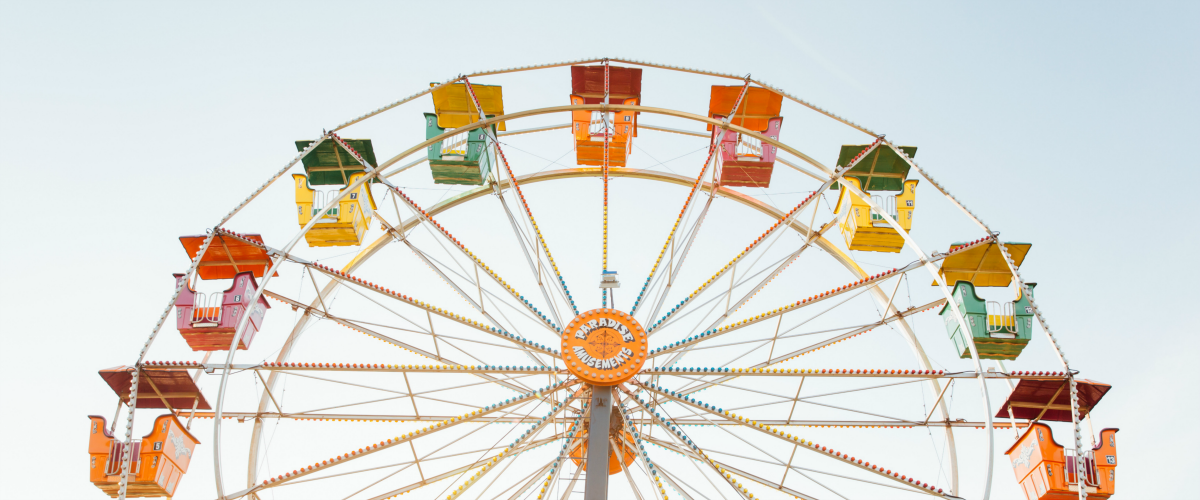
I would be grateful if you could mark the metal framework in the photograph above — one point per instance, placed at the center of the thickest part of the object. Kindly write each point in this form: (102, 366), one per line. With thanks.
(479, 348)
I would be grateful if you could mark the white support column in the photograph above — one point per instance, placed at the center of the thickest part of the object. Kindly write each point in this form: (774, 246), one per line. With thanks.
(595, 486)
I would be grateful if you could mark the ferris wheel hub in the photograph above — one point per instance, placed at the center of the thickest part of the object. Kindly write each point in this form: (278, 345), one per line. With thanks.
(604, 347)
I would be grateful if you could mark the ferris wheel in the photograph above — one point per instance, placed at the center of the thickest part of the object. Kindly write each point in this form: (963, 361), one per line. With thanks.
(456, 355)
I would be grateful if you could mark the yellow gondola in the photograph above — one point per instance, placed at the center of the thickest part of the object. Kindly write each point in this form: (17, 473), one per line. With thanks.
(867, 230)
(982, 265)
(344, 224)
(456, 109)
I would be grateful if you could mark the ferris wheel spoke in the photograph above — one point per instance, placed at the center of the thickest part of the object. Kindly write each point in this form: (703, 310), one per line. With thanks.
(637, 492)
(289, 367)
(644, 459)
(348, 383)
(473, 384)
(405, 330)
(752, 349)
(561, 283)
(310, 413)
(679, 485)
(759, 405)
(347, 279)
(783, 222)
(802, 470)
(432, 480)
(474, 416)
(498, 304)
(425, 394)
(420, 351)
(825, 343)
(765, 340)
(730, 308)
(731, 267)
(529, 347)
(519, 445)
(698, 409)
(347, 405)
(779, 312)
(427, 458)
(778, 486)
(657, 468)
(474, 465)
(857, 288)
(571, 485)
(714, 301)
(529, 445)
(509, 452)
(787, 399)
(530, 311)
(760, 343)
(687, 204)
(446, 475)
(475, 341)
(641, 461)
(423, 215)
(656, 373)
(681, 437)
(774, 460)
(429, 262)
(457, 403)
(673, 268)
(519, 450)
(623, 449)
(556, 467)
(340, 474)
(858, 389)
(771, 276)
(386, 308)
(519, 487)
(316, 289)
(468, 354)
(487, 295)
(534, 268)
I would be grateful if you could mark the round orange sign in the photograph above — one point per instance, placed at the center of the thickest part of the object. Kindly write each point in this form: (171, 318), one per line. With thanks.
(604, 347)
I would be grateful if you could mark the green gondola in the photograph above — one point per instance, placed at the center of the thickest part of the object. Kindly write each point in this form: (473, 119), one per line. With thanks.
(880, 170)
(998, 332)
(330, 165)
(465, 159)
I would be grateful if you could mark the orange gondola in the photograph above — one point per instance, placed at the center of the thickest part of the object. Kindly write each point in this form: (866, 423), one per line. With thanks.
(591, 127)
(159, 460)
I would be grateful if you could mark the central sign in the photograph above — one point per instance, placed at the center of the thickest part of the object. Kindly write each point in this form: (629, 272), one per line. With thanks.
(604, 347)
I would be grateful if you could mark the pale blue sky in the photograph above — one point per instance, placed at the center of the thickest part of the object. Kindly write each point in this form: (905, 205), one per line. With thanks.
(1068, 124)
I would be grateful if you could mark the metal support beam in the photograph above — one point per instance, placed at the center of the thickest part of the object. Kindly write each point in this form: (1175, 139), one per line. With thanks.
(595, 486)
